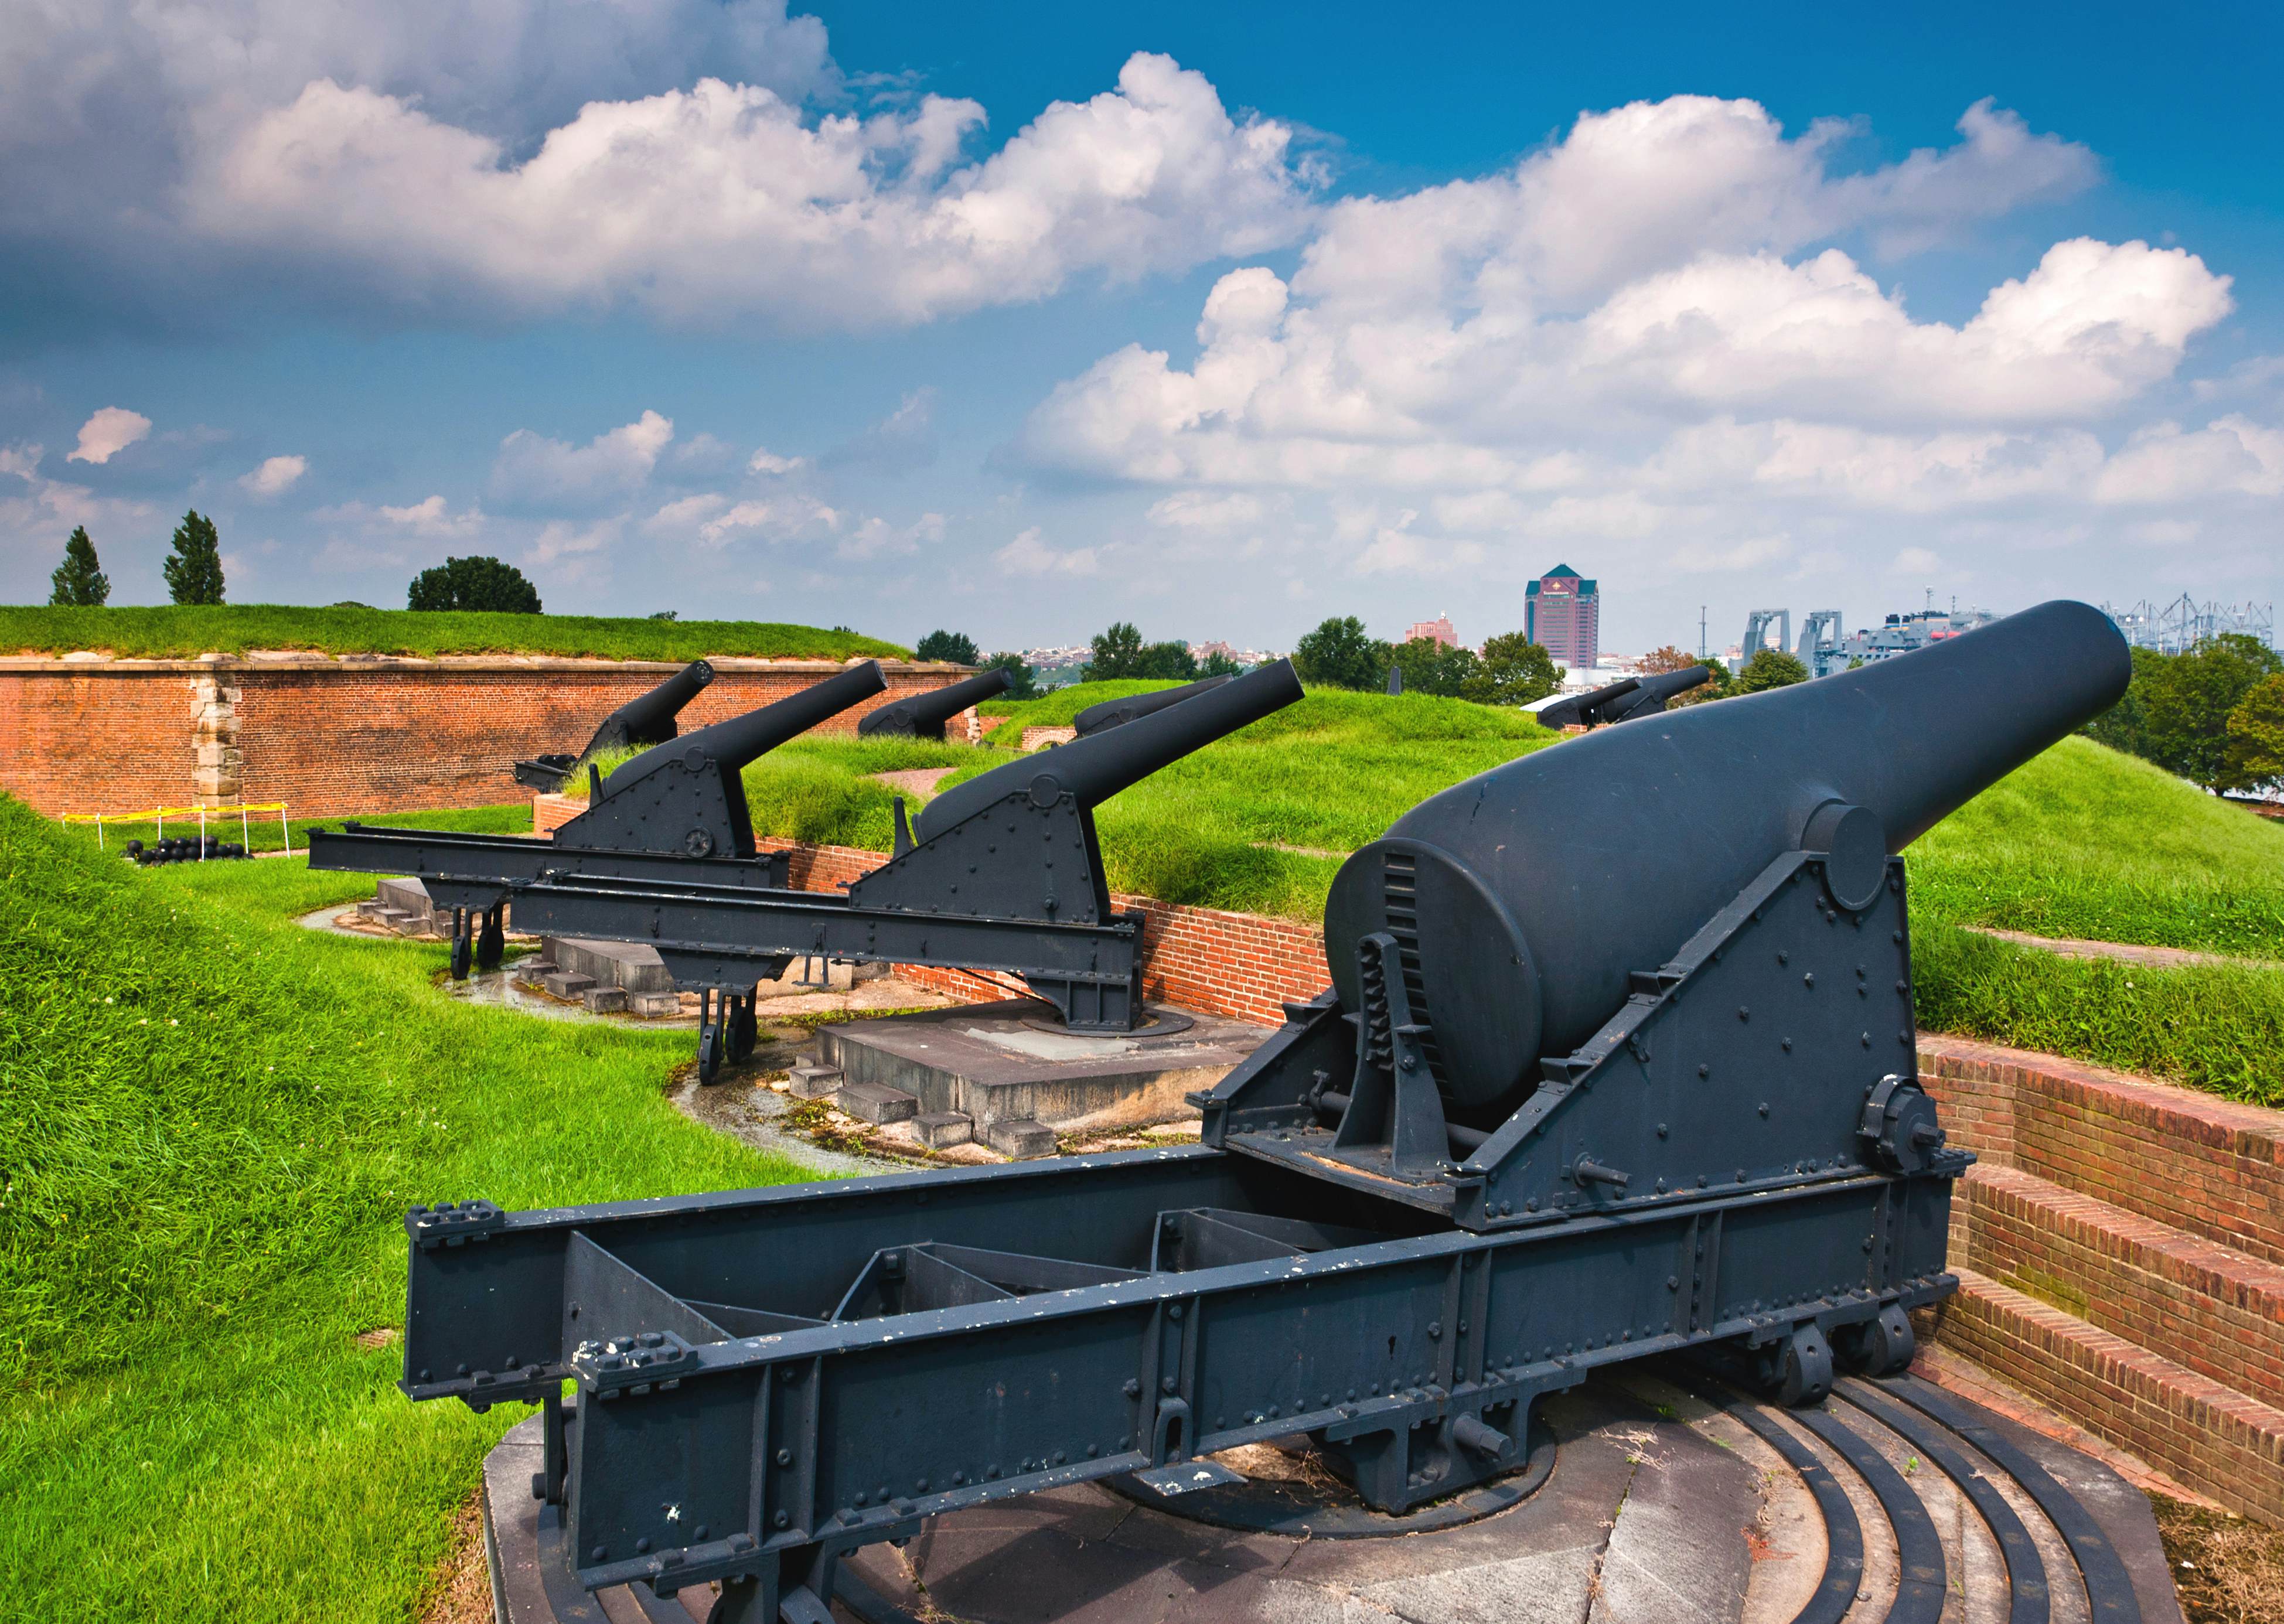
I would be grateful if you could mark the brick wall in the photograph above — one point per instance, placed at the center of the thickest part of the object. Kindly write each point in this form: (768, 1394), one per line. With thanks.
(341, 737)
(2207, 1165)
(1237, 964)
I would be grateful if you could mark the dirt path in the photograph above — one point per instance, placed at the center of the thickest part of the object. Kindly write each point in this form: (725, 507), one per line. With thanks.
(917, 783)
(2156, 958)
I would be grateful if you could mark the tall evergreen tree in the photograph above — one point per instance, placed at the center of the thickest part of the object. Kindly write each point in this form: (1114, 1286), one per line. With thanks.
(79, 581)
(194, 568)
(956, 646)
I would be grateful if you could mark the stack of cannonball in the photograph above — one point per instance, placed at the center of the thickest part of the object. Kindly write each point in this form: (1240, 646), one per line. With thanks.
(191, 850)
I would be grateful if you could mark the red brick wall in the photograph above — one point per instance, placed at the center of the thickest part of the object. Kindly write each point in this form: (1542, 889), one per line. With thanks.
(340, 736)
(2207, 1165)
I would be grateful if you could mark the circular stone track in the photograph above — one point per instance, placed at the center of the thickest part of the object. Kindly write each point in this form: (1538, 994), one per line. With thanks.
(1656, 1495)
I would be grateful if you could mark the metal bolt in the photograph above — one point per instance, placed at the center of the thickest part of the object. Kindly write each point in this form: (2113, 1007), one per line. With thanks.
(784, 1457)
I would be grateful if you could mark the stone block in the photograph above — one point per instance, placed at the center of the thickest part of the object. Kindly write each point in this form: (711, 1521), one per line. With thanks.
(1021, 1138)
(654, 1005)
(567, 983)
(877, 1102)
(938, 1129)
(816, 1081)
(605, 1000)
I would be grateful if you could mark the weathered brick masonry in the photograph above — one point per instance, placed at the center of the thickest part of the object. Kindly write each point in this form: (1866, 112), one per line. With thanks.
(336, 737)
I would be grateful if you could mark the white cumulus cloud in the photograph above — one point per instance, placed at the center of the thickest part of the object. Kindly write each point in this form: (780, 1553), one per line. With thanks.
(107, 433)
(536, 472)
(274, 477)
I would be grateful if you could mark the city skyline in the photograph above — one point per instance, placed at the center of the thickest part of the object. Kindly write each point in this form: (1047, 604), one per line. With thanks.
(1828, 308)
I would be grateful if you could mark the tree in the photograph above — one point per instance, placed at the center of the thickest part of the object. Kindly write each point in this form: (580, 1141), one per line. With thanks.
(666, 614)
(1218, 664)
(1768, 668)
(1430, 667)
(2187, 700)
(194, 568)
(473, 583)
(1719, 685)
(956, 646)
(1022, 681)
(79, 581)
(1666, 657)
(1120, 653)
(1512, 670)
(1339, 653)
(2256, 734)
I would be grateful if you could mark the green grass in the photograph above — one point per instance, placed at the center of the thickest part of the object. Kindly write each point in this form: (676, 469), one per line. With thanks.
(183, 632)
(512, 817)
(1055, 709)
(2087, 842)
(214, 1120)
(2218, 1029)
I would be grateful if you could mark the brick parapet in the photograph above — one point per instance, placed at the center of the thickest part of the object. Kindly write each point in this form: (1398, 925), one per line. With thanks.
(333, 736)
(2210, 1166)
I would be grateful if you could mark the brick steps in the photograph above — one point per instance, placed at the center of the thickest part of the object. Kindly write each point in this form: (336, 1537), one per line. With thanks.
(2120, 1248)
(2211, 1437)
(2190, 1301)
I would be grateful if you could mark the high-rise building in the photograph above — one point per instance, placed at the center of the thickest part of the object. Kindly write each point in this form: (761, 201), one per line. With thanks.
(1562, 613)
(1437, 630)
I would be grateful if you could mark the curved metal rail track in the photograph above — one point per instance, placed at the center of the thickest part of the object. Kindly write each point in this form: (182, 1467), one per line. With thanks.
(1882, 1444)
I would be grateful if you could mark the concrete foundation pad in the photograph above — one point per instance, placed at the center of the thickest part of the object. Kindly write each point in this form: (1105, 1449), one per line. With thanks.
(408, 896)
(605, 1000)
(567, 983)
(654, 1004)
(626, 964)
(981, 1061)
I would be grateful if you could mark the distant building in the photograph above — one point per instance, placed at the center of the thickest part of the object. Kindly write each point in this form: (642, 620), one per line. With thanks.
(1437, 630)
(1562, 613)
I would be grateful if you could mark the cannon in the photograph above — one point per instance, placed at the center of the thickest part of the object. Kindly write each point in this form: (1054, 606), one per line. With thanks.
(1622, 700)
(1001, 873)
(1111, 712)
(649, 720)
(676, 811)
(924, 714)
(1617, 1060)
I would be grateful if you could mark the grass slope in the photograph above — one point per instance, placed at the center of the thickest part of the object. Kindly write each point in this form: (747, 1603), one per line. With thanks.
(215, 1122)
(2087, 842)
(184, 632)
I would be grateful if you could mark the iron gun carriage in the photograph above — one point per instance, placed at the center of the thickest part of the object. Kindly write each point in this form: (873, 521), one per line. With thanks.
(1616, 1062)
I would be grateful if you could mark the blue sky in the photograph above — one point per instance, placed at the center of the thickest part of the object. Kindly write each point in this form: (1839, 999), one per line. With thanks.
(1221, 319)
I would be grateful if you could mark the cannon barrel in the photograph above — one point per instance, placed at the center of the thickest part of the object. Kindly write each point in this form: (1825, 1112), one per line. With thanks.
(1539, 886)
(1578, 710)
(649, 719)
(924, 714)
(1091, 770)
(1623, 701)
(732, 744)
(1112, 712)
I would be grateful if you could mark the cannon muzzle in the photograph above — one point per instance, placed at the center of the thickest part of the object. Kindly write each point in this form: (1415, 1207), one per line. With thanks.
(1091, 770)
(1538, 887)
(649, 720)
(730, 745)
(1112, 712)
(924, 714)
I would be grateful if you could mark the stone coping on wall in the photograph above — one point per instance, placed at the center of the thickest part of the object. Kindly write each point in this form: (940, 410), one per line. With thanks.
(84, 662)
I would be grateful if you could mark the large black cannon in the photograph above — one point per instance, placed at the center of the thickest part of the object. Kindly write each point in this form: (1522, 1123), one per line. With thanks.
(1001, 873)
(1617, 1060)
(675, 812)
(924, 714)
(1112, 712)
(647, 720)
(1623, 699)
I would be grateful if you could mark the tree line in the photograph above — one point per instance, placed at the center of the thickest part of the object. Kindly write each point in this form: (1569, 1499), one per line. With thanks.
(2214, 715)
(194, 575)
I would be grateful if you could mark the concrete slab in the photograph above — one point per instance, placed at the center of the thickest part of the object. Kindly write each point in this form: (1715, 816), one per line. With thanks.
(1020, 1137)
(605, 1000)
(984, 1062)
(938, 1129)
(877, 1102)
(816, 1081)
(654, 1005)
(628, 964)
(410, 895)
(567, 983)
